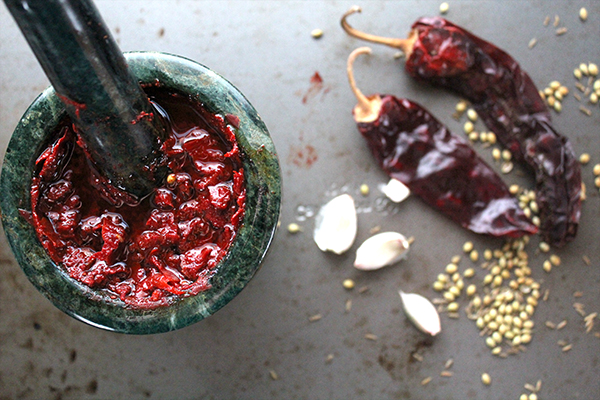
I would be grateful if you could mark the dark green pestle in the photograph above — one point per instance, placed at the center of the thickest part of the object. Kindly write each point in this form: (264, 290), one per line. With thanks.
(117, 124)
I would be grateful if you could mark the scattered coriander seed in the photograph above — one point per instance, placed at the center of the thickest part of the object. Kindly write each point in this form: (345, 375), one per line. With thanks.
(472, 114)
(583, 14)
(547, 266)
(557, 106)
(554, 85)
(444, 7)
(584, 158)
(468, 127)
(293, 228)
(461, 106)
(451, 268)
(486, 379)
(364, 189)
(348, 284)
(316, 33)
(474, 255)
(563, 90)
(471, 289)
(468, 247)
(496, 154)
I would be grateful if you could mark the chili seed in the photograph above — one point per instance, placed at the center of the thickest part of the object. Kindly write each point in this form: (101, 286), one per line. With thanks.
(491, 137)
(554, 85)
(486, 379)
(506, 167)
(555, 260)
(293, 228)
(596, 170)
(473, 136)
(453, 307)
(444, 7)
(592, 69)
(533, 396)
(577, 73)
(171, 179)
(593, 98)
(597, 181)
(547, 266)
(467, 247)
(451, 268)
(469, 273)
(506, 155)
(563, 90)
(316, 33)
(438, 286)
(364, 189)
(544, 247)
(348, 284)
(583, 14)
(584, 158)
(558, 95)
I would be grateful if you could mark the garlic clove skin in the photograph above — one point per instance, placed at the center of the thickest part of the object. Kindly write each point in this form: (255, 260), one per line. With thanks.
(421, 312)
(380, 250)
(396, 191)
(336, 225)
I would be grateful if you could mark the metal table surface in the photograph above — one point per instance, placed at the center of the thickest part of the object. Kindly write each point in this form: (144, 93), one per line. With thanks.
(266, 343)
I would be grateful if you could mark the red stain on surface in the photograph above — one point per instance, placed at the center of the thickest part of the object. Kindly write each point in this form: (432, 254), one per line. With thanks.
(316, 86)
(303, 156)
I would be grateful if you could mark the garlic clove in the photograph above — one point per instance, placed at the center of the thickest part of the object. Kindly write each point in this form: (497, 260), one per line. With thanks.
(421, 312)
(336, 225)
(396, 191)
(380, 250)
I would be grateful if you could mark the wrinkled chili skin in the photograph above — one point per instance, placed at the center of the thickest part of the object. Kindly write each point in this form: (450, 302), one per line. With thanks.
(167, 246)
(412, 146)
(508, 102)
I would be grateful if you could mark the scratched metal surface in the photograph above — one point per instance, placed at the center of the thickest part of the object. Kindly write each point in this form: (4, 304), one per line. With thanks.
(266, 50)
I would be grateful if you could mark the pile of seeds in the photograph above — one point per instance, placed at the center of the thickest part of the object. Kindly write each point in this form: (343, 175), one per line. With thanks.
(553, 95)
(588, 85)
(503, 305)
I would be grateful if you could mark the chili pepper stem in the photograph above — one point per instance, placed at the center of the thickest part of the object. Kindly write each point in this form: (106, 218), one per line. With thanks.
(367, 109)
(406, 45)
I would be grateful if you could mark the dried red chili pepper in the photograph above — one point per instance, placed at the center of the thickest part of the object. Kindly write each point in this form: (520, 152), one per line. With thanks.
(412, 146)
(508, 102)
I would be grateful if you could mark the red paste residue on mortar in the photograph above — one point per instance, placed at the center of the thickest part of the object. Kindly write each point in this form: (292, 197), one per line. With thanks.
(164, 248)
(316, 86)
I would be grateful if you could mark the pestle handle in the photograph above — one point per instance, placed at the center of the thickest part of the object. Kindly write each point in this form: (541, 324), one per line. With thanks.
(121, 131)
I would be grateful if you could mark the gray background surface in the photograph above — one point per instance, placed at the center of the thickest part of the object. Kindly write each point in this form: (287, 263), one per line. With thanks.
(265, 48)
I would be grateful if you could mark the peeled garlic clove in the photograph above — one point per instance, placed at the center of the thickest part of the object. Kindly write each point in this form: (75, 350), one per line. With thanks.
(396, 191)
(421, 312)
(335, 225)
(383, 249)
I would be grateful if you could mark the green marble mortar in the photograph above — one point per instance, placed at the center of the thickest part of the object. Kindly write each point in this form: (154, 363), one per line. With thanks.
(263, 185)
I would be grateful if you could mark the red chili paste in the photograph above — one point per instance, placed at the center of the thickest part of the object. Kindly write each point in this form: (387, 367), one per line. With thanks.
(167, 246)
